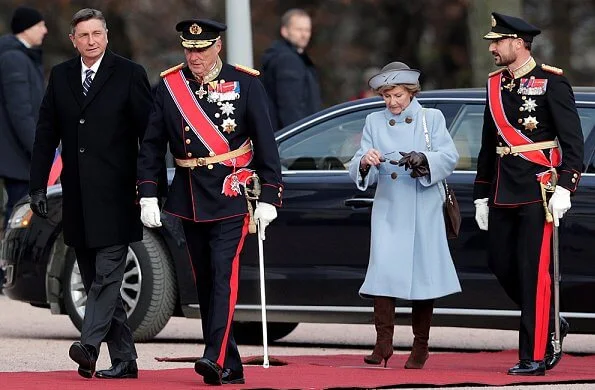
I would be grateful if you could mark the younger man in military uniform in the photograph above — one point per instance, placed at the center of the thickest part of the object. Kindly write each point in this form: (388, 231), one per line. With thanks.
(215, 118)
(530, 122)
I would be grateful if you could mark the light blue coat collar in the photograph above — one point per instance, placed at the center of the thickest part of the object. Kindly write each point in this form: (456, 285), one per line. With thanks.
(410, 111)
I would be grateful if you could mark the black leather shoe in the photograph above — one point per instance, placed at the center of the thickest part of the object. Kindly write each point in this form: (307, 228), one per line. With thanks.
(210, 371)
(528, 367)
(85, 356)
(120, 370)
(232, 377)
(552, 358)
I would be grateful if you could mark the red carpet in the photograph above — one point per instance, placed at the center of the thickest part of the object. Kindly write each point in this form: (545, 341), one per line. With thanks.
(324, 372)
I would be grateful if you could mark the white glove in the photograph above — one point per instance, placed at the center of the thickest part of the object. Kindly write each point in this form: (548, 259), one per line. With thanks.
(264, 214)
(559, 204)
(150, 215)
(482, 211)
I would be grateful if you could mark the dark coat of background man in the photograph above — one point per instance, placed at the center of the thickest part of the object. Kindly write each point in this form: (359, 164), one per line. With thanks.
(289, 75)
(97, 104)
(21, 92)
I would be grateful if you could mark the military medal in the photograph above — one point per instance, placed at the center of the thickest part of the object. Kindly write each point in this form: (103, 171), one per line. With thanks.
(530, 123)
(201, 92)
(510, 86)
(529, 105)
(229, 125)
(227, 108)
(532, 86)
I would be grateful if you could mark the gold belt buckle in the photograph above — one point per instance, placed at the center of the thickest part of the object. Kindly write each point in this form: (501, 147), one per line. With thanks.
(504, 150)
(201, 162)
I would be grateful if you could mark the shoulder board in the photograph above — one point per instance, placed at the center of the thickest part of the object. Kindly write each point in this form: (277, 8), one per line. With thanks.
(245, 69)
(552, 69)
(171, 70)
(496, 72)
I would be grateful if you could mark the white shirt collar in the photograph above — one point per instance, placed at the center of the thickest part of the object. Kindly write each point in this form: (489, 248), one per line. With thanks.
(27, 45)
(94, 68)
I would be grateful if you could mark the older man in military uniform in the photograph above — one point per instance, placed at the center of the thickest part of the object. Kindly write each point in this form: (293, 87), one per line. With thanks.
(532, 145)
(215, 118)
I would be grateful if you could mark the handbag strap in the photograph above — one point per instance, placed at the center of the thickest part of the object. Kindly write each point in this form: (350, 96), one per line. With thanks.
(429, 145)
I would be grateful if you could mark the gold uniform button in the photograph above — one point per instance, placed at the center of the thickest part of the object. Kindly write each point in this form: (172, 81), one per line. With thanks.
(187, 128)
(499, 143)
(212, 154)
(520, 120)
(210, 166)
(575, 175)
(188, 141)
(573, 180)
(279, 194)
(521, 108)
(280, 189)
(189, 154)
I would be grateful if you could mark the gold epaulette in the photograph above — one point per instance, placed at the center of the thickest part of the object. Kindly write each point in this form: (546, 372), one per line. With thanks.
(171, 70)
(496, 72)
(552, 69)
(245, 69)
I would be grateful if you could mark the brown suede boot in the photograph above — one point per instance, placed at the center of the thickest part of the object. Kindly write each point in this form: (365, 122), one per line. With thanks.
(384, 319)
(421, 317)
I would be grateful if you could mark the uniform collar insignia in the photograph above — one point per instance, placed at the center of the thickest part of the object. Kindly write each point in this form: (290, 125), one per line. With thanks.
(523, 69)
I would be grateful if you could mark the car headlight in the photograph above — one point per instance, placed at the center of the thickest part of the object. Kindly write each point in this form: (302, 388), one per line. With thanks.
(21, 217)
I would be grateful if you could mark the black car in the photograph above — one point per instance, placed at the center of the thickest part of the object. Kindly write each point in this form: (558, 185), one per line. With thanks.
(316, 252)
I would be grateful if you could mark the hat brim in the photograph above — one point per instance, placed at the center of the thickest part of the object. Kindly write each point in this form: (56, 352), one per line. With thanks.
(495, 35)
(394, 77)
(198, 44)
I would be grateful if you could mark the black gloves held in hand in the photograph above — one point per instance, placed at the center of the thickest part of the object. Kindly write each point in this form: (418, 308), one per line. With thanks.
(416, 162)
(39, 203)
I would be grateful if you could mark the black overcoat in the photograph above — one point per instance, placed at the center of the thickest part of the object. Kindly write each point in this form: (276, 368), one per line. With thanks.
(100, 134)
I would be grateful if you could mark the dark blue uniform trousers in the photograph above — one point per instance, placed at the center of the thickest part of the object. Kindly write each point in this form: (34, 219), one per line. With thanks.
(102, 270)
(214, 249)
(520, 252)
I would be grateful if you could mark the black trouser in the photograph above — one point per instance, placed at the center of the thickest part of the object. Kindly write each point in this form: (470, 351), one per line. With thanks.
(520, 252)
(102, 271)
(214, 249)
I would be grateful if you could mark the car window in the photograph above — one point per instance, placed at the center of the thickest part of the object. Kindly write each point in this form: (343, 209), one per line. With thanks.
(587, 116)
(449, 110)
(466, 134)
(327, 145)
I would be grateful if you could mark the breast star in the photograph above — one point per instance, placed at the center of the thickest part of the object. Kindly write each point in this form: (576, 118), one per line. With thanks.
(529, 105)
(530, 123)
(227, 108)
(229, 125)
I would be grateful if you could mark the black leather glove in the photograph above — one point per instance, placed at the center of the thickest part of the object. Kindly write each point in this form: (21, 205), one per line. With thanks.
(39, 203)
(416, 162)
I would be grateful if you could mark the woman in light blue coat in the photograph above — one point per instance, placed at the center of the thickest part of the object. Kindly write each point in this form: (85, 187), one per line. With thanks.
(409, 255)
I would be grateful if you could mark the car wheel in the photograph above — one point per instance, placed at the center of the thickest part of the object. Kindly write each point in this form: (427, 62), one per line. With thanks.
(251, 332)
(149, 289)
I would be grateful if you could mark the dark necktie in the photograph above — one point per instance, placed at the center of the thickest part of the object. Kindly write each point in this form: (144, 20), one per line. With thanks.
(88, 81)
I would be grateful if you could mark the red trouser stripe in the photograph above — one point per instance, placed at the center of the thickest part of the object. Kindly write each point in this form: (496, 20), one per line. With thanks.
(543, 294)
(233, 295)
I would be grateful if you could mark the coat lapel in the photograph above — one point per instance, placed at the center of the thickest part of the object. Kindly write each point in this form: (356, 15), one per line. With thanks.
(106, 68)
(75, 81)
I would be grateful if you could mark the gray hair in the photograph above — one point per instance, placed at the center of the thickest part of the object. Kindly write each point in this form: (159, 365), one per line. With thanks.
(84, 15)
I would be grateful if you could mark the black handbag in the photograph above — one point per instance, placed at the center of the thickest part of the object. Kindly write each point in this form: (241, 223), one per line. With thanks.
(452, 214)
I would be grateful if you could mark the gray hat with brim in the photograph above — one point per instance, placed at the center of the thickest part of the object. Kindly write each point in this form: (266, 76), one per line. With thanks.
(393, 74)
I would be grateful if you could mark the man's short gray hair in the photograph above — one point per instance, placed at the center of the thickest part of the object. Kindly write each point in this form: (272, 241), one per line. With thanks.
(286, 18)
(84, 15)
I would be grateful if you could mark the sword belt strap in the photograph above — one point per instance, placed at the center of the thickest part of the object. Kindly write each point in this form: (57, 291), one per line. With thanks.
(504, 150)
(203, 161)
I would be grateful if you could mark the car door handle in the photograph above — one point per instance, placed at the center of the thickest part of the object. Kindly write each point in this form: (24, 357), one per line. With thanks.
(358, 203)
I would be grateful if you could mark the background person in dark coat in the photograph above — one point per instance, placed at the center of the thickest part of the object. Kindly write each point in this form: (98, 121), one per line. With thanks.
(289, 75)
(100, 119)
(21, 92)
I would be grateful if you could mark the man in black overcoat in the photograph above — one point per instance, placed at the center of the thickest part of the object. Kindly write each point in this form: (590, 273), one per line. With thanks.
(97, 104)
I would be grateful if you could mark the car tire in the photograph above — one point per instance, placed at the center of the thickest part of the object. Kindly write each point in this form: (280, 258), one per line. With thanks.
(149, 295)
(250, 333)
